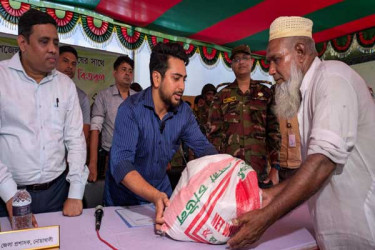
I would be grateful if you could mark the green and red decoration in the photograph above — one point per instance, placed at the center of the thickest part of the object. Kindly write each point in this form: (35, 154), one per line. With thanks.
(226, 58)
(321, 48)
(66, 20)
(189, 48)
(153, 40)
(11, 11)
(97, 30)
(366, 38)
(209, 55)
(129, 37)
(264, 65)
(226, 24)
(342, 44)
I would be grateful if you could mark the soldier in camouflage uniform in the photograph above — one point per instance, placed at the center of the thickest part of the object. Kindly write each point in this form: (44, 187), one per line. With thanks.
(242, 122)
(208, 93)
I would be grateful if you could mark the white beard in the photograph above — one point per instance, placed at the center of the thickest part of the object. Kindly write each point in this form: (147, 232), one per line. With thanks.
(288, 95)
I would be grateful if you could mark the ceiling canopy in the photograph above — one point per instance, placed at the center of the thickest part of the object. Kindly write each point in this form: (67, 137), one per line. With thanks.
(230, 23)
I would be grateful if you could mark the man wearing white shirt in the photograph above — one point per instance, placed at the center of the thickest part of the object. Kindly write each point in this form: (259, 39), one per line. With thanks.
(40, 118)
(336, 117)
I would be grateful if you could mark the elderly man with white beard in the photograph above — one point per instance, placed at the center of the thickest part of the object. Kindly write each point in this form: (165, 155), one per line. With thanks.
(337, 120)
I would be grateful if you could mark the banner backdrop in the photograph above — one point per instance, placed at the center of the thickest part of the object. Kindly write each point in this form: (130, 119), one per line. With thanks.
(94, 71)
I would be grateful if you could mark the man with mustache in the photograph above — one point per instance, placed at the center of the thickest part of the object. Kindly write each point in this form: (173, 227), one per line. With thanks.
(104, 113)
(40, 119)
(242, 122)
(67, 64)
(337, 120)
(149, 129)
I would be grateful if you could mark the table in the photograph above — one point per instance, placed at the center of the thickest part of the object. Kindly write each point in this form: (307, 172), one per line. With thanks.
(294, 231)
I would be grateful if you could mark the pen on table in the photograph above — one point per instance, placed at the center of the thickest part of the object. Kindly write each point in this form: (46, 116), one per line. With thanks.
(57, 102)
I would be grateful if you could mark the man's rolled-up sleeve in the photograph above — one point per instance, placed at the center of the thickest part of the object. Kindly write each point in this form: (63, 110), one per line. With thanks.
(8, 186)
(98, 113)
(76, 146)
(124, 143)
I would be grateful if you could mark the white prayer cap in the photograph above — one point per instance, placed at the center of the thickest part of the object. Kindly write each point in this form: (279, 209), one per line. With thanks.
(287, 26)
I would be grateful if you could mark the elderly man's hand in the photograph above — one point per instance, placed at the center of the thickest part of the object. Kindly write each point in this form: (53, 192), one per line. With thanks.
(161, 201)
(72, 207)
(252, 226)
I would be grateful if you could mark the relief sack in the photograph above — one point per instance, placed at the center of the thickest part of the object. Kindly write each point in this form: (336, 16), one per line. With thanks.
(211, 192)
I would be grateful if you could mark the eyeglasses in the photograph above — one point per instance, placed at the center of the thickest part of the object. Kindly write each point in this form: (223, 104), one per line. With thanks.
(238, 59)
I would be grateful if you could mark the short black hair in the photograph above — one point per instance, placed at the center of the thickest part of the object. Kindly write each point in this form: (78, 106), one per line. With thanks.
(122, 59)
(33, 17)
(70, 49)
(160, 55)
(208, 87)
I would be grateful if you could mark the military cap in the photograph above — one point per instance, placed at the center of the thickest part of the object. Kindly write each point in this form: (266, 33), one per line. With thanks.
(240, 49)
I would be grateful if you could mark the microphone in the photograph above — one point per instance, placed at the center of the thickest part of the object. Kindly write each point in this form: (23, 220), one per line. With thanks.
(162, 126)
(98, 216)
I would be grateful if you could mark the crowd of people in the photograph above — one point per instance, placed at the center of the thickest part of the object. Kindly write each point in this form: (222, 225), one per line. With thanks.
(308, 137)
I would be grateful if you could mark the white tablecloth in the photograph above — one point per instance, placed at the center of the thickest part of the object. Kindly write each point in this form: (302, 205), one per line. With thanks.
(294, 231)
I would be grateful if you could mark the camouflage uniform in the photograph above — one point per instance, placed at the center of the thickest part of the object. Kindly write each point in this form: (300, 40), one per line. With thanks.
(243, 125)
(201, 115)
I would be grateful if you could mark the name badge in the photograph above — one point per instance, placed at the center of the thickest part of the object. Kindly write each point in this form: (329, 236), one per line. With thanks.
(33, 238)
(292, 140)
(229, 99)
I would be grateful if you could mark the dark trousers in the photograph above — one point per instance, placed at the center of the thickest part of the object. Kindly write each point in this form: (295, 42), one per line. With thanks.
(103, 162)
(44, 201)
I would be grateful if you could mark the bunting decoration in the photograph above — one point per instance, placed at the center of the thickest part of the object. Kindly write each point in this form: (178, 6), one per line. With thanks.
(97, 30)
(226, 58)
(209, 55)
(264, 64)
(130, 38)
(12, 12)
(342, 44)
(321, 48)
(189, 48)
(66, 20)
(366, 38)
(153, 40)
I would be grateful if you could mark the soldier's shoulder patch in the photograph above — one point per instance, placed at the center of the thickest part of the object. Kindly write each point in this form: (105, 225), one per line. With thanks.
(230, 99)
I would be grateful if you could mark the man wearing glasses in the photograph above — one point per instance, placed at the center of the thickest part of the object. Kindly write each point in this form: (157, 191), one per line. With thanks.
(242, 122)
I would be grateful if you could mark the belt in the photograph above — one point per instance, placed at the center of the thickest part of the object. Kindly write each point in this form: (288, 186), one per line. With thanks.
(43, 186)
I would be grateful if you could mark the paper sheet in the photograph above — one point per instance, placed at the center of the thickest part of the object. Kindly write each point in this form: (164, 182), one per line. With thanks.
(137, 216)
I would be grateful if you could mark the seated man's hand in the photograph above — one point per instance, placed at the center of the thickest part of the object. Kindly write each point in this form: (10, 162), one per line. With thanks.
(161, 201)
(93, 172)
(72, 207)
(10, 213)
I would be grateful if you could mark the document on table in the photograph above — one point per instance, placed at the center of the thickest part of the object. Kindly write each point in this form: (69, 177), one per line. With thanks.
(137, 216)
